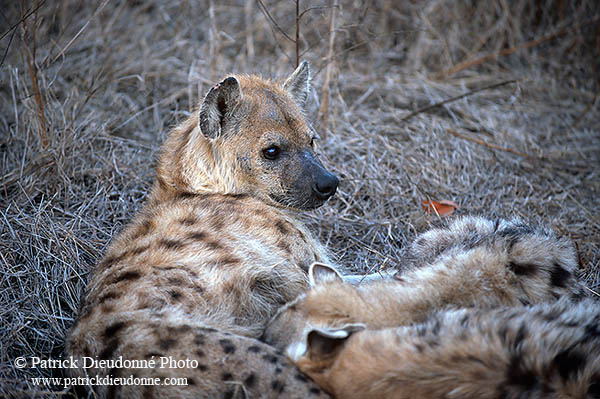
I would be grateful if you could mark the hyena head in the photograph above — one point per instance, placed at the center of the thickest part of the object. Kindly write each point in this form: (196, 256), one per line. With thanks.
(250, 136)
(322, 315)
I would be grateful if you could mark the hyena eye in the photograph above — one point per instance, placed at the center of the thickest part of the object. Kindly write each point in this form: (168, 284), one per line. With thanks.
(271, 153)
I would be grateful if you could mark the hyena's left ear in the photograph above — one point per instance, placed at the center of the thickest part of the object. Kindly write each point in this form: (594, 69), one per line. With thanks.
(320, 273)
(298, 84)
(217, 106)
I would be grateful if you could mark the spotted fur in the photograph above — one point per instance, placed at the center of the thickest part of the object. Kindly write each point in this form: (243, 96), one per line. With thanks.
(477, 263)
(215, 251)
(546, 351)
(347, 338)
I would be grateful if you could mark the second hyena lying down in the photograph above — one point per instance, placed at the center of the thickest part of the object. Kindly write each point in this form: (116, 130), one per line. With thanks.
(474, 262)
(546, 351)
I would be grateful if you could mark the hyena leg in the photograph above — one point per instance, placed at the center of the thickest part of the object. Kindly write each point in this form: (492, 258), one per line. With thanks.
(210, 363)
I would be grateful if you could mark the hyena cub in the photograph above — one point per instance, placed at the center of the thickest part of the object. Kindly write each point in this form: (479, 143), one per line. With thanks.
(214, 253)
(545, 351)
(477, 263)
(473, 262)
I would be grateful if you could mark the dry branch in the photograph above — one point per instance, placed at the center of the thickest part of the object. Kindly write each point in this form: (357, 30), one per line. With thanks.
(324, 109)
(449, 100)
(489, 145)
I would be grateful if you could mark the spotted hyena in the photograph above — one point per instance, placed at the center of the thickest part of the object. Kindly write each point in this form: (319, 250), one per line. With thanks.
(544, 351)
(473, 263)
(216, 250)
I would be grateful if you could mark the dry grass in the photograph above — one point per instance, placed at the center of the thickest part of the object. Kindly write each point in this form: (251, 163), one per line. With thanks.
(106, 80)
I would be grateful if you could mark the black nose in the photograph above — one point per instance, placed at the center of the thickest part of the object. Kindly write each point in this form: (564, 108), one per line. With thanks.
(325, 185)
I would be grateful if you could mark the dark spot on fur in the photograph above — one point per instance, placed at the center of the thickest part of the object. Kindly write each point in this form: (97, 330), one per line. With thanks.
(188, 221)
(114, 329)
(202, 367)
(199, 289)
(127, 276)
(139, 250)
(284, 246)
(228, 260)
(191, 381)
(521, 333)
(171, 244)
(278, 370)
(436, 327)
(226, 376)
(218, 223)
(464, 321)
(522, 269)
(197, 236)
(161, 182)
(227, 345)
(569, 362)
(143, 229)
(185, 195)
(420, 348)
(270, 358)
(517, 375)
(175, 295)
(166, 343)
(228, 394)
(594, 388)
(254, 349)
(112, 260)
(107, 296)
(250, 380)
(515, 232)
(301, 377)
(524, 301)
(111, 346)
(282, 227)
(315, 391)
(278, 386)
(559, 276)
(178, 281)
(200, 353)
(214, 245)
(209, 329)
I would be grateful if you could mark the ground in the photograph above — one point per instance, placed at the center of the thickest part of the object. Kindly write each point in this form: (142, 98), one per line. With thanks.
(88, 91)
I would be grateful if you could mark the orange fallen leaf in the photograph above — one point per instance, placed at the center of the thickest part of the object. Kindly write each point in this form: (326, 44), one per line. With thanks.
(442, 208)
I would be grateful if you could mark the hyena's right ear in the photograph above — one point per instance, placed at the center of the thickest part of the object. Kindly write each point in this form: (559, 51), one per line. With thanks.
(217, 106)
(320, 273)
(326, 343)
(298, 84)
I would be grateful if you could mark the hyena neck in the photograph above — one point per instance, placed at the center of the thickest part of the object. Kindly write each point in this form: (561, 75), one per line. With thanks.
(191, 164)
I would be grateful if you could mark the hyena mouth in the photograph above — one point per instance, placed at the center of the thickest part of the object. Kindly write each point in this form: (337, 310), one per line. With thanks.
(304, 204)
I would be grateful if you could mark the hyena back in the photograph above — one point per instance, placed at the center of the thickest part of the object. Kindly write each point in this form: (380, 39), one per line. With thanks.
(215, 251)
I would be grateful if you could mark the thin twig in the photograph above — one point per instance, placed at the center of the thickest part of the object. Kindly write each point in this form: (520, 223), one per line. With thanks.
(451, 99)
(33, 74)
(297, 33)
(585, 111)
(270, 18)
(490, 145)
(23, 18)
(324, 109)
